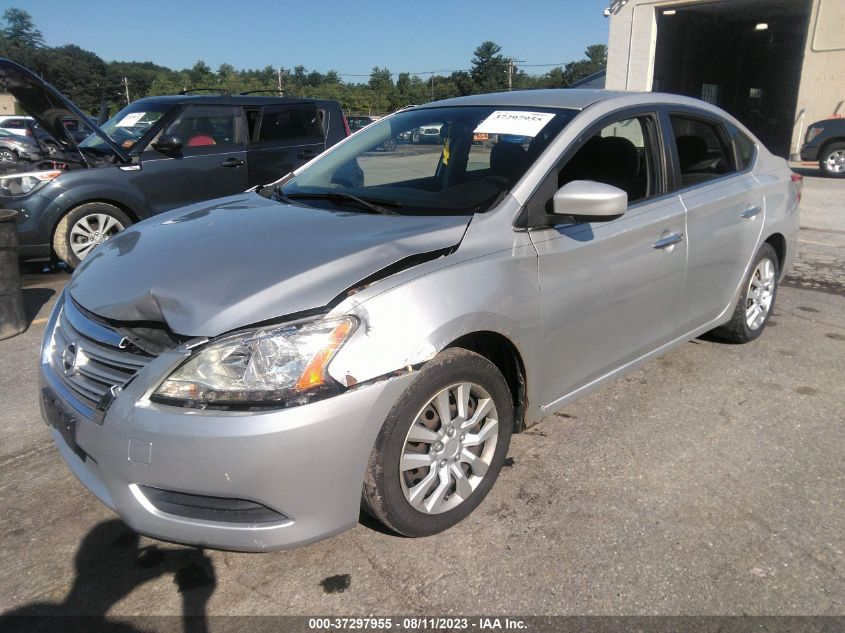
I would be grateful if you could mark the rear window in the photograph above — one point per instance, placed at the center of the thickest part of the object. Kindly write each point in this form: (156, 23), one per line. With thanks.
(280, 123)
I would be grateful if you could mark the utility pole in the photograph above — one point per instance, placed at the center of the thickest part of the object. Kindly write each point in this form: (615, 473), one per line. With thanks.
(511, 63)
(432, 86)
(279, 76)
(126, 87)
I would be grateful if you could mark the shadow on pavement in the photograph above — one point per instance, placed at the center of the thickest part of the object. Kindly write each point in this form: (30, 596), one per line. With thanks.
(110, 565)
(33, 300)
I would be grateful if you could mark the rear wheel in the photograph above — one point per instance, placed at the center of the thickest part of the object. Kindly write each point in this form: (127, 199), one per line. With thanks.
(757, 301)
(85, 227)
(832, 161)
(8, 156)
(442, 446)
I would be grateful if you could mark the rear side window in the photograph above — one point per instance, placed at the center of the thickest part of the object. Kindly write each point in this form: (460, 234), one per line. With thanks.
(280, 123)
(702, 152)
(746, 150)
(16, 124)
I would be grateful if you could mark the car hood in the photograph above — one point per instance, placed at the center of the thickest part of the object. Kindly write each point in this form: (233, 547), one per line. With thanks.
(48, 106)
(220, 265)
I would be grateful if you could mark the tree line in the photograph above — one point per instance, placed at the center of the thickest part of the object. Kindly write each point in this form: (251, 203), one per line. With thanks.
(90, 81)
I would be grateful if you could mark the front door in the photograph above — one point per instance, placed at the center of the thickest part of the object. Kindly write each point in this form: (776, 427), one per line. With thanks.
(610, 291)
(211, 163)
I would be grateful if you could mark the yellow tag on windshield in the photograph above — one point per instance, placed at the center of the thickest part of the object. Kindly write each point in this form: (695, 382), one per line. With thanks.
(445, 156)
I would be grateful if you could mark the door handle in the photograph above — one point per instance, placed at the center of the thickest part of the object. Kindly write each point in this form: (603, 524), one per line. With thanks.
(750, 212)
(231, 162)
(669, 240)
(308, 153)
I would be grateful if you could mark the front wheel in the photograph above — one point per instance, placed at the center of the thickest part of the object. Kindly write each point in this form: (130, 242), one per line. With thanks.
(85, 227)
(755, 305)
(832, 161)
(7, 156)
(442, 446)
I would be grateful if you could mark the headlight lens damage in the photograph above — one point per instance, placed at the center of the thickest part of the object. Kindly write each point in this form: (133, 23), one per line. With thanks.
(274, 365)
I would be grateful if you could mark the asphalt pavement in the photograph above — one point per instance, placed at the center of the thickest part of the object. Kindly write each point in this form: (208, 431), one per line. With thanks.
(710, 481)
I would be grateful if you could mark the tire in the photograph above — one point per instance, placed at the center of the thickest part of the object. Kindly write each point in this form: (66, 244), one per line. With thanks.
(86, 221)
(389, 145)
(8, 155)
(832, 160)
(439, 504)
(763, 274)
(415, 137)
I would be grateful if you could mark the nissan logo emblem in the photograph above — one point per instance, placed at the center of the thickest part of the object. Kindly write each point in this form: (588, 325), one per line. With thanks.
(69, 359)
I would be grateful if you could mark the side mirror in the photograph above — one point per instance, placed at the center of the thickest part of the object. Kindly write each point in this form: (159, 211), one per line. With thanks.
(168, 143)
(589, 201)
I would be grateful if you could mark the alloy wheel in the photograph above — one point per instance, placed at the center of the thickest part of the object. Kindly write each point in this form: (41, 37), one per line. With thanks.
(6, 156)
(835, 161)
(91, 230)
(449, 448)
(761, 292)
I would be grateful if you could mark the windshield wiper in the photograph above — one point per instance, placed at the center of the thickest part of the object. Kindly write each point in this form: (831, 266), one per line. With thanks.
(383, 207)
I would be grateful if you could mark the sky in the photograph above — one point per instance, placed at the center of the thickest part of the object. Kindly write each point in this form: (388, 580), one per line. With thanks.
(350, 37)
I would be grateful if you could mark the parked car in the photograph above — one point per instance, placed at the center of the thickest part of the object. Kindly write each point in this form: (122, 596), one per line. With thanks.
(242, 373)
(154, 155)
(825, 143)
(429, 133)
(14, 147)
(359, 122)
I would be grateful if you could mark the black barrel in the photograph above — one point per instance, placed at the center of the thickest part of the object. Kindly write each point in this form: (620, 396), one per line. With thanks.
(12, 317)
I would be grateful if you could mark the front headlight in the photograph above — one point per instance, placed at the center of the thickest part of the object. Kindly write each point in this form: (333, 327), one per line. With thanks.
(17, 185)
(813, 132)
(275, 365)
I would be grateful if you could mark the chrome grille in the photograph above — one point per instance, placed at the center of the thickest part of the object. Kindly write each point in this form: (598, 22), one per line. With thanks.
(90, 358)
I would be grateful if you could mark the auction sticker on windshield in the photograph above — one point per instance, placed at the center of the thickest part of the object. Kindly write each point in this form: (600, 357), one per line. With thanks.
(514, 122)
(130, 119)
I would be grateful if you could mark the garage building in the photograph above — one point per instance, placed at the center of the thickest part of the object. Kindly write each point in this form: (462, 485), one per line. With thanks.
(777, 65)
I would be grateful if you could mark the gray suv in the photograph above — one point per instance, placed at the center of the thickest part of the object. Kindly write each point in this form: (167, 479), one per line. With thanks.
(243, 373)
(156, 154)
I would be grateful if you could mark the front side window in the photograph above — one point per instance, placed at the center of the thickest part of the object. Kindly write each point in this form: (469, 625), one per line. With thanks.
(620, 154)
(448, 161)
(282, 123)
(702, 152)
(202, 125)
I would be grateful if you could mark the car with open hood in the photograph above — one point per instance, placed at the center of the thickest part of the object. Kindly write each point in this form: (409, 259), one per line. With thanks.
(246, 373)
(156, 154)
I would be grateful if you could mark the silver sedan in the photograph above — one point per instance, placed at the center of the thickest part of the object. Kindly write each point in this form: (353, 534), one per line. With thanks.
(243, 373)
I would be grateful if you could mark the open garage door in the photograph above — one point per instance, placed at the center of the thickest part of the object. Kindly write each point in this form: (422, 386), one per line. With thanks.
(744, 56)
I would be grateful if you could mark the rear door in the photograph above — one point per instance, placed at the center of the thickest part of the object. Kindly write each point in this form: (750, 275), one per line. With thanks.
(725, 211)
(285, 137)
(610, 291)
(211, 163)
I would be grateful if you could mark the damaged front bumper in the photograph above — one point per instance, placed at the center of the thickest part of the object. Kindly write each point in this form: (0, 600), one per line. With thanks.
(249, 481)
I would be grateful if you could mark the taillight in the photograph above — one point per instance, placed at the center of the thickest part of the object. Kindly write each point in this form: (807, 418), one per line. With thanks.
(798, 181)
(346, 125)
(28, 132)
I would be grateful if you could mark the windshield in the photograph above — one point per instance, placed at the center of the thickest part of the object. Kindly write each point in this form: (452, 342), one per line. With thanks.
(432, 161)
(127, 126)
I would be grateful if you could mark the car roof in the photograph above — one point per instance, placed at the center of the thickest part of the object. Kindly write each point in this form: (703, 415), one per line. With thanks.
(218, 99)
(569, 98)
